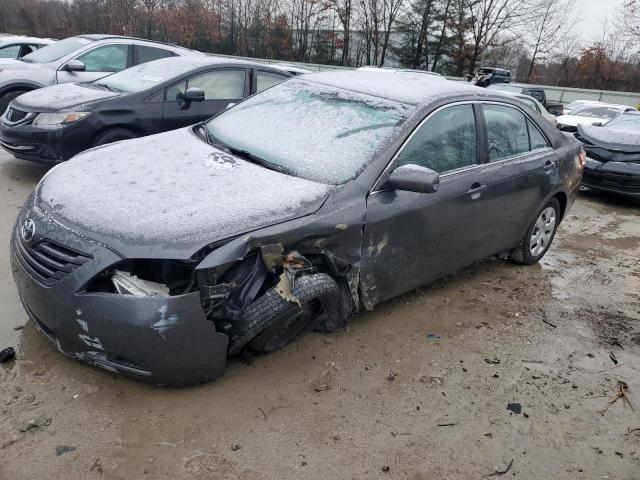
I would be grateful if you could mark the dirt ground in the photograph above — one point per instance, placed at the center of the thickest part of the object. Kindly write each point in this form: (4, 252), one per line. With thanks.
(417, 389)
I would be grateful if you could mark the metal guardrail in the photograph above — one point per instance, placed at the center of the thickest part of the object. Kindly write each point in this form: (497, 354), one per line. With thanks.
(562, 95)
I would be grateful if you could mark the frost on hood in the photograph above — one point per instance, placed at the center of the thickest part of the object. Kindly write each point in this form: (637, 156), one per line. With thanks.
(316, 132)
(61, 97)
(172, 186)
(612, 137)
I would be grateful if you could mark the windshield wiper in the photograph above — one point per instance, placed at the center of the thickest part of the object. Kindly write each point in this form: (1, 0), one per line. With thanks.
(106, 87)
(204, 133)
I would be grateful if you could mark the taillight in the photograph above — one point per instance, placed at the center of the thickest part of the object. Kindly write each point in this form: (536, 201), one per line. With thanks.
(582, 158)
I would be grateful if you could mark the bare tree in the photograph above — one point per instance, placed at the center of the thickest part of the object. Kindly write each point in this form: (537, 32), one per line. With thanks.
(494, 23)
(553, 21)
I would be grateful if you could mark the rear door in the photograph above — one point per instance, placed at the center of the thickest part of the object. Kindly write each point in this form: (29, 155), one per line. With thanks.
(222, 87)
(99, 62)
(519, 172)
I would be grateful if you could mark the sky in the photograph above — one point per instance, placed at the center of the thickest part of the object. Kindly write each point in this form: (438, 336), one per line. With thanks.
(593, 13)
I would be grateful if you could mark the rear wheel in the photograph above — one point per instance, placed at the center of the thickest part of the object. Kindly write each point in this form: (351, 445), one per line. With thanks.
(539, 236)
(271, 322)
(113, 135)
(7, 97)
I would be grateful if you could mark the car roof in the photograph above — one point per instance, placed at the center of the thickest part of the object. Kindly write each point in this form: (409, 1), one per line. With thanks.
(98, 37)
(22, 39)
(518, 95)
(407, 88)
(201, 61)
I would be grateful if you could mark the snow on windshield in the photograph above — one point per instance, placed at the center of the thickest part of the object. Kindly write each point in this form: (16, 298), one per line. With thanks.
(310, 130)
(56, 50)
(626, 122)
(146, 75)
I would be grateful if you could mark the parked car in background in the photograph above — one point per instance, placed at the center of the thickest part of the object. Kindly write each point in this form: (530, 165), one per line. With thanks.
(13, 47)
(486, 76)
(53, 124)
(371, 68)
(567, 109)
(613, 155)
(591, 114)
(328, 193)
(78, 59)
(534, 105)
(533, 91)
(292, 69)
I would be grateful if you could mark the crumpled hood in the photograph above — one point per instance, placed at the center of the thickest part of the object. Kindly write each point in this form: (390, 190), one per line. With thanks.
(575, 120)
(610, 138)
(61, 97)
(170, 191)
(13, 64)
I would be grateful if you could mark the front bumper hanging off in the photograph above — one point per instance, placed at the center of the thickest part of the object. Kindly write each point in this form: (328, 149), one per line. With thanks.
(164, 340)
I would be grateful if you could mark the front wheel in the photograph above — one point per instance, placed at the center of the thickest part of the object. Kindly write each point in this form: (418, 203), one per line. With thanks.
(271, 322)
(113, 135)
(539, 236)
(5, 99)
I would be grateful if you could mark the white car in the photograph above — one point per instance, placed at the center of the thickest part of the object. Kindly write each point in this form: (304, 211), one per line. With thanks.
(13, 46)
(567, 109)
(533, 104)
(596, 114)
(371, 68)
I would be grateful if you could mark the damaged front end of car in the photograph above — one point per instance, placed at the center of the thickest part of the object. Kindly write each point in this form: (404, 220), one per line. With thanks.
(175, 321)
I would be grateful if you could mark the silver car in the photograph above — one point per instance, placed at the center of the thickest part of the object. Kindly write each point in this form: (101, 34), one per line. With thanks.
(17, 46)
(78, 59)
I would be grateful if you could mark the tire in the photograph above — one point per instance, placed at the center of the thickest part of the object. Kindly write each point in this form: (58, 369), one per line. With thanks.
(7, 97)
(113, 135)
(271, 322)
(539, 236)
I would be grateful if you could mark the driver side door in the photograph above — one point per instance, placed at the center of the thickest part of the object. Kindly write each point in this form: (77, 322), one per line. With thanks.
(412, 238)
(99, 62)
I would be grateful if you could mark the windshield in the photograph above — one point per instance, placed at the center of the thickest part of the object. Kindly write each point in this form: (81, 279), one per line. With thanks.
(309, 130)
(56, 50)
(505, 87)
(146, 75)
(591, 111)
(529, 103)
(627, 122)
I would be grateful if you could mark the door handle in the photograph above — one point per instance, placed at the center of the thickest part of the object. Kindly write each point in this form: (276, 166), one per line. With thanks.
(548, 164)
(477, 188)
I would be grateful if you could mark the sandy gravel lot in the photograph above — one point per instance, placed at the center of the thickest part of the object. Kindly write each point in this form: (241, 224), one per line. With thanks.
(417, 389)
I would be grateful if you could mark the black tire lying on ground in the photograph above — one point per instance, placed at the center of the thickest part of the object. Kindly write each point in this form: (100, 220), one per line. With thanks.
(271, 322)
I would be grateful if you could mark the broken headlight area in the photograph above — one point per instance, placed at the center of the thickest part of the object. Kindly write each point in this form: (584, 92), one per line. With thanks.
(147, 278)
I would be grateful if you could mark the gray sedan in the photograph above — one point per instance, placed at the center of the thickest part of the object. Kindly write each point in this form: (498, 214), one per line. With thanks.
(321, 196)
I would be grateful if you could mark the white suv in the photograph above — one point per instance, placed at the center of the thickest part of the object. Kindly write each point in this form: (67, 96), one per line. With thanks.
(78, 59)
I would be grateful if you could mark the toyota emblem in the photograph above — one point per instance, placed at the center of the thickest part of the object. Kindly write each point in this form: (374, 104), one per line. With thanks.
(28, 230)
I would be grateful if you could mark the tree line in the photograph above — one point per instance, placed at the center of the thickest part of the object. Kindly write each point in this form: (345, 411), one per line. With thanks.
(536, 39)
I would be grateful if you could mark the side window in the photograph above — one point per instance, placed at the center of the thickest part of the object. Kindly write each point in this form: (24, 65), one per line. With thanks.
(148, 54)
(110, 58)
(11, 51)
(447, 141)
(537, 139)
(265, 80)
(227, 84)
(507, 131)
(174, 93)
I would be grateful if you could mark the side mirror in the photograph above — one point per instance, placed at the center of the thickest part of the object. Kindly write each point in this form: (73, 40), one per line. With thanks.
(193, 94)
(414, 178)
(75, 66)
(596, 124)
